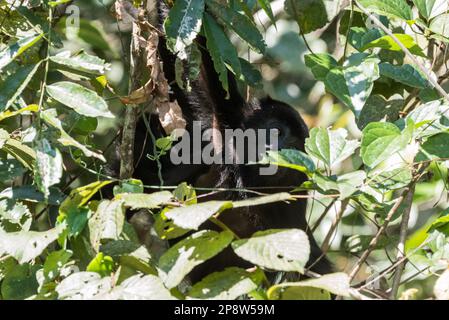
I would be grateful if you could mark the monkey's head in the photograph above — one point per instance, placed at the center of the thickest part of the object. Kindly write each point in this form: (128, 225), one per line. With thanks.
(292, 131)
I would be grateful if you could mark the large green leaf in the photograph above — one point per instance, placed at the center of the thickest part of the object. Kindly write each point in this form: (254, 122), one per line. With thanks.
(10, 169)
(387, 43)
(330, 146)
(320, 64)
(24, 246)
(14, 85)
(312, 14)
(20, 283)
(49, 166)
(50, 116)
(221, 50)
(282, 250)
(360, 71)
(431, 8)
(226, 285)
(377, 108)
(335, 283)
(436, 146)
(84, 101)
(290, 158)
(183, 24)
(145, 201)
(439, 25)
(107, 222)
(180, 259)
(359, 37)
(390, 8)
(405, 74)
(381, 140)
(345, 184)
(14, 216)
(191, 217)
(239, 23)
(13, 51)
(81, 62)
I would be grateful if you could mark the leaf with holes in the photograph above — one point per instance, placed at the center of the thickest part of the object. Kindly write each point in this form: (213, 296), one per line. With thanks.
(24, 246)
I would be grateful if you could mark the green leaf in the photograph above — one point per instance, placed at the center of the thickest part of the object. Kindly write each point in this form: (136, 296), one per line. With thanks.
(145, 201)
(359, 37)
(436, 146)
(406, 74)
(439, 25)
(377, 108)
(282, 250)
(129, 186)
(311, 14)
(28, 109)
(140, 287)
(250, 75)
(290, 158)
(335, 283)
(180, 259)
(81, 62)
(387, 43)
(392, 179)
(31, 194)
(14, 84)
(83, 286)
(360, 71)
(221, 50)
(330, 146)
(101, 264)
(266, 6)
(13, 51)
(390, 8)
(346, 184)
(49, 166)
(54, 263)
(84, 101)
(24, 154)
(380, 140)
(107, 222)
(430, 8)
(429, 118)
(239, 23)
(191, 217)
(336, 84)
(183, 24)
(256, 201)
(320, 64)
(14, 216)
(50, 116)
(25, 246)
(20, 283)
(79, 197)
(226, 285)
(10, 169)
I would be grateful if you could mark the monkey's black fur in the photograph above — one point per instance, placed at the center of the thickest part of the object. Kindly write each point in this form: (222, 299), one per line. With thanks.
(206, 103)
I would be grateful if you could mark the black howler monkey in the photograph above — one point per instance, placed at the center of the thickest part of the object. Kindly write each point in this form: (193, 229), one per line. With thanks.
(206, 102)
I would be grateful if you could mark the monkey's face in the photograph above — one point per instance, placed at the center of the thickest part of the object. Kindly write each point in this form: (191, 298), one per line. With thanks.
(291, 130)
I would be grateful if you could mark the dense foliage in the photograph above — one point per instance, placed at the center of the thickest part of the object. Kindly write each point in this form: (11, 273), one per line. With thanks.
(377, 155)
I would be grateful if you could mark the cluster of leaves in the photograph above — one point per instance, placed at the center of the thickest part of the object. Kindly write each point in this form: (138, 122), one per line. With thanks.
(50, 105)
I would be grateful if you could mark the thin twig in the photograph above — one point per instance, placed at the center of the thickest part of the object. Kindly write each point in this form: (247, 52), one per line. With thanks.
(401, 244)
(376, 238)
